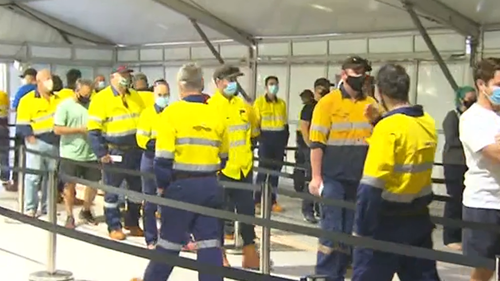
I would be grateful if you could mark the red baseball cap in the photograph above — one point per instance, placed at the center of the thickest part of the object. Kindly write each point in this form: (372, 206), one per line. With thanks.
(121, 69)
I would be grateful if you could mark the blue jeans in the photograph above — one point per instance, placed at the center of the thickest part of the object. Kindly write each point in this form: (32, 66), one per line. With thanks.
(33, 181)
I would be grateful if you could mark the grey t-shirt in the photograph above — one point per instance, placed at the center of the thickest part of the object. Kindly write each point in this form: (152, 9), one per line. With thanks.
(70, 113)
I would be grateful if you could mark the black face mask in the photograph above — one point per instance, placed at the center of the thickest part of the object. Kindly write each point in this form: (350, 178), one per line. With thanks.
(469, 103)
(83, 100)
(356, 83)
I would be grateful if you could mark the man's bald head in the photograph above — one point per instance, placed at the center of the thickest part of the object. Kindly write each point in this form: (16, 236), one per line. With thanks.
(44, 81)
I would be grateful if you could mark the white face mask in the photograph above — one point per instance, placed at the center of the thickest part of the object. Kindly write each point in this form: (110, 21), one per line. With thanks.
(49, 85)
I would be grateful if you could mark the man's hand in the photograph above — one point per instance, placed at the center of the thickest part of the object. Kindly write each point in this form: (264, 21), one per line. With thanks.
(372, 112)
(83, 130)
(106, 159)
(31, 139)
(314, 186)
(159, 191)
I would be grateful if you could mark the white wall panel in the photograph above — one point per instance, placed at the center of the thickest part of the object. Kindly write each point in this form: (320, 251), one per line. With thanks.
(105, 71)
(50, 52)
(402, 44)
(208, 74)
(3, 77)
(153, 73)
(128, 55)
(348, 46)
(15, 81)
(177, 53)
(443, 42)
(61, 70)
(93, 54)
(233, 51)
(273, 49)
(280, 71)
(151, 54)
(310, 48)
(171, 76)
(12, 50)
(202, 52)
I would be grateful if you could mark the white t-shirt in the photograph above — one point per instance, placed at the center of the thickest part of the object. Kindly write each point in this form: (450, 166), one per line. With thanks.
(478, 128)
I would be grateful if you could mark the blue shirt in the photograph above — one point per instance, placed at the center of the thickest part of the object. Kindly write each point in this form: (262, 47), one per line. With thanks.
(21, 92)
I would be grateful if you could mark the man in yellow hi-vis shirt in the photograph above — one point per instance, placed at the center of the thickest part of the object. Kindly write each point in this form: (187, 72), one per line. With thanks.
(396, 187)
(190, 149)
(338, 145)
(274, 132)
(146, 139)
(112, 124)
(35, 123)
(142, 87)
(243, 129)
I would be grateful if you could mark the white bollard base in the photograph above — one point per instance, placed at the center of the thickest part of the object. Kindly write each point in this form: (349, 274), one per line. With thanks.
(59, 275)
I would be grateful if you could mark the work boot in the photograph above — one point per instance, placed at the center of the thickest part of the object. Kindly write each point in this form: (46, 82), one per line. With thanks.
(310, 218)
(87, 217)
(225, 262)
(229, 236)
(251, 259)
(135, 231)
(117, 235)
(136, 279)
(276, 208)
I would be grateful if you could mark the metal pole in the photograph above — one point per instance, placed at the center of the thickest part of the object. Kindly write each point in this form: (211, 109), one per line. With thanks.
(51, 274)
(265, 238)
(237, 247)
(497, 268)
(20, 177)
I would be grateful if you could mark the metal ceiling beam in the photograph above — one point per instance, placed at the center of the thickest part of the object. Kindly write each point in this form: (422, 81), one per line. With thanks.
(446, 16)
(6, 2)
(60, 26)
(208, 20)
(428, 41)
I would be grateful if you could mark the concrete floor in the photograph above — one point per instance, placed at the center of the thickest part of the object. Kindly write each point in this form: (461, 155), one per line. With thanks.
(23, 250)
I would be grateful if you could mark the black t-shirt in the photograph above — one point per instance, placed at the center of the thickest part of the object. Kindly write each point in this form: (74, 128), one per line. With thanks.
(307, 112)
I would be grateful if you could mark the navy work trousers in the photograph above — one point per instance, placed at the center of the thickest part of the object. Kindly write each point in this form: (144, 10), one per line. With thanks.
(131, 160)
(454, 181)
(273, 152)
(149, 187)
(175, 223)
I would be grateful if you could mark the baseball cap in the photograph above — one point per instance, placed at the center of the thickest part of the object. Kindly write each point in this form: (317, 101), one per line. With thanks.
(121, 69)
(227, 71)
(29, 71)
(357, 63)
(323, 82)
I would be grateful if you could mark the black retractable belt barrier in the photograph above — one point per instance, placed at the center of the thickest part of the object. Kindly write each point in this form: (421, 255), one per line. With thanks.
(331, 202)
(172, 260)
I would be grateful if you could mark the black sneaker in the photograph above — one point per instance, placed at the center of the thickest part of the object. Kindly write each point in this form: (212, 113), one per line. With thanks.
(70, 222)
(87, 217)
(310, 218)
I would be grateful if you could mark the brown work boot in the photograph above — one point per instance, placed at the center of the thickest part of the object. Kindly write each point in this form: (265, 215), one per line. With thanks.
(251, 259)
(225, 262)
(117, 234)
(136, 279)
(135, 231)
(158, 215)
(229, 236)
(276, 208)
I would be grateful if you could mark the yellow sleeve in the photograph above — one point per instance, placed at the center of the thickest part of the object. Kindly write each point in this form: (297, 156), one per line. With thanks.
(256, 108)
(284, 113)
(23, 116)
(379, 162)
(224, 145)
(166, 136)
(97, 114)
(144, 132)
(254, 122)
(320, 123)
(4, 104)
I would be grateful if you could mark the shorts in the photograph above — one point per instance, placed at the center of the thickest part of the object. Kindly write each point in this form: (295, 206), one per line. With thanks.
(480, 243)
(74, 169)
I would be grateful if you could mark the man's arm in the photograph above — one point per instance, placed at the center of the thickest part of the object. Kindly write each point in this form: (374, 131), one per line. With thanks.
(318, 135)
(61, 121)
(305, 122)
(479, 136)
(378, 166)
(165, 150)
(23, 120)
(95, 124)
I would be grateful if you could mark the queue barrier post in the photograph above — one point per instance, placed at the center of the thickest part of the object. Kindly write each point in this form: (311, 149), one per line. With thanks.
(52, 274)
(20, 178)
(237, 247)
(265, 238)
(497, 268)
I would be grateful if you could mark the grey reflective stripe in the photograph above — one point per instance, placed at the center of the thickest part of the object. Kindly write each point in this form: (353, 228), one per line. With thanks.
(197, 141)
(122, 117)
(255, 130)
(242, 127)
(406, 198)
(168, 245)
(204, 244)
(164, 154)
(350, 125)
(122, 134)
(341, 142)
(373, 181)
(143, 133)
(237, 143)
(272, 129)
(108, 205)
(95, 118)
(153, 133)
(196, 167)
(223, 155)
(272, 118)
(42, 118)
(42, 131)
(413, 168)
(321, 129)
(23, 123)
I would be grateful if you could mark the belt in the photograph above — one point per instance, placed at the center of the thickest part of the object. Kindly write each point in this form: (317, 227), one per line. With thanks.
(179, 175)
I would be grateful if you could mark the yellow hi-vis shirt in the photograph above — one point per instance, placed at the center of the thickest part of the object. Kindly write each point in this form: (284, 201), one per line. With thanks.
(193, 135)
(66, 93)
(115, 118)
(148, 98)
(4, 107)
(35, 116)
(148, 122)
(341, 129)
(272, 115)
(242, 125)
(397, 177)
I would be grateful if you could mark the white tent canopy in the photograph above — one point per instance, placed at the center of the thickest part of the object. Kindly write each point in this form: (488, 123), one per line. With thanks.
(133, 22)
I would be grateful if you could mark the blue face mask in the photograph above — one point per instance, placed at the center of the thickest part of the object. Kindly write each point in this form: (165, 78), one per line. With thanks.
(161, 101)
(495, 96)
(273, 89)
(231, 88)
